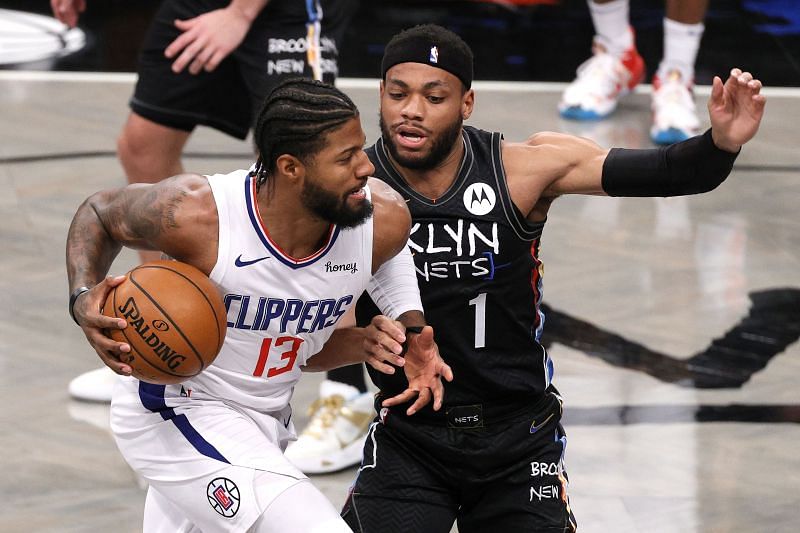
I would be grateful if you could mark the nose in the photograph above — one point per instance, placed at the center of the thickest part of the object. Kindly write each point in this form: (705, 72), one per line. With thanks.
(412, 107)
(365, 167)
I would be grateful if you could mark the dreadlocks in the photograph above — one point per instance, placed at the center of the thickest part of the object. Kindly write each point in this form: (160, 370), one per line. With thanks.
(295, 118)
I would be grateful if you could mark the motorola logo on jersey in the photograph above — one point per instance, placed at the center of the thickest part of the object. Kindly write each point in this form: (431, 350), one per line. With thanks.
(224, 496)
(479, 199)
(294, 316)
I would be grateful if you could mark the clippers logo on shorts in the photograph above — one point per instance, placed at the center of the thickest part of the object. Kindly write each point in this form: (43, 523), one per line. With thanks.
(224, 497)
(479, 199)
(434, 57)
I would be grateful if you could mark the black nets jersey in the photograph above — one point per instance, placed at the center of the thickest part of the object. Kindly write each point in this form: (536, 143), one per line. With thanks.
(480, 278)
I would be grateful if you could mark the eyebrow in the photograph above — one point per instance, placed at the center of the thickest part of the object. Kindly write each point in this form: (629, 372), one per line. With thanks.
(428, 85)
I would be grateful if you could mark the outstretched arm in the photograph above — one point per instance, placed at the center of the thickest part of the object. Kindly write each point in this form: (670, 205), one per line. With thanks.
(394, 289)
(209, 38)
(552, 164)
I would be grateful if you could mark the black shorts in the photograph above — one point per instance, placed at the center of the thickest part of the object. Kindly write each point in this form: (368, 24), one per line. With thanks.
(228, 98)
(506, 474)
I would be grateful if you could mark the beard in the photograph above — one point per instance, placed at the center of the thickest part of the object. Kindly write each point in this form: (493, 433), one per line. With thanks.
(441, 146)
(332, 208)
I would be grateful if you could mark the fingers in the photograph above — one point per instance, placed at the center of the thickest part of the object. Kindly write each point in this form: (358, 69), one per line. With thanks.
(113, 281)
(94, 316)
(404, 397)
(181, 42)
(65, 12)
(380, 365)
(386, 335)
(438, 395)
(745, 80)
(188, 54)
(391, 327)
(425, 338)
(716, 89)
(116, 355)
(215, 60)
(200, 60)
(446, 372)
(422, 400)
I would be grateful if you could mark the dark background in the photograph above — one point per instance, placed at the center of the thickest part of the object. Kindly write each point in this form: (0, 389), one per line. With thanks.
(539, 42)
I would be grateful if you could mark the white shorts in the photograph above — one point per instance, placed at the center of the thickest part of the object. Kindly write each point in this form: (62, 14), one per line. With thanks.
(204, 454)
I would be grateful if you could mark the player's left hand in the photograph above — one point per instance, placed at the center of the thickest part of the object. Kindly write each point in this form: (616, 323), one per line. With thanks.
(207, 39)
(424, 369)
(735, 109)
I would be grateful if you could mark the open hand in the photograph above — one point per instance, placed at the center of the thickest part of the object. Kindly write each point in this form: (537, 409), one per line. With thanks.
(424, 369)
(735, 109)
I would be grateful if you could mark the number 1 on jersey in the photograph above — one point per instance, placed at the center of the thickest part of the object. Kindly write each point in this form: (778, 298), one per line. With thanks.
(480, 319)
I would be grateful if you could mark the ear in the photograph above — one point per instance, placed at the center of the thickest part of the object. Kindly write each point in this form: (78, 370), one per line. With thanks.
(289, 166)
(382, 89)
(467, 104)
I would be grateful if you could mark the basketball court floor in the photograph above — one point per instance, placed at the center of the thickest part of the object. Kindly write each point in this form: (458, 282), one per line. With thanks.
(673, 323)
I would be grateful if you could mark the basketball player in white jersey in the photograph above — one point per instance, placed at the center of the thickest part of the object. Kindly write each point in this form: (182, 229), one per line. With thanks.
(291, 245)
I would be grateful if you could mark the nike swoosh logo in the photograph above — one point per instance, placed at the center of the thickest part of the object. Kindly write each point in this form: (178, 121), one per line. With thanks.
(286, 422)
(535, 428)
(241, 263)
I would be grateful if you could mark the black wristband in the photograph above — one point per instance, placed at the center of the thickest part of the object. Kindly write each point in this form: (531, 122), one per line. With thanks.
(72, 298)
(692, 166)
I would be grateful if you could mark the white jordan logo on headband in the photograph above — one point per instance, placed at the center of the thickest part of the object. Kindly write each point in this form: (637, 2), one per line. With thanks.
(434, 57)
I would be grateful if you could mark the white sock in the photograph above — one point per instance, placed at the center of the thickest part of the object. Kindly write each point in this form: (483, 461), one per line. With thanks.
(611, 26)
(681, 43)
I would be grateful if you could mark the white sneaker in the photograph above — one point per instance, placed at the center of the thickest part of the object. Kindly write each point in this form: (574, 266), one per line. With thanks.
(601, 81)
(334, 438)
(674, 112)
(94, 386)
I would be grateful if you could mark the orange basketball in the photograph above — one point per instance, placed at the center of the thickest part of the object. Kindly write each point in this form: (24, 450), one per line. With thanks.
(176, 320)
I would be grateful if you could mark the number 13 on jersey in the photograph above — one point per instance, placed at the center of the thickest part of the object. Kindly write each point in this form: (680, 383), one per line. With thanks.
(283, 349)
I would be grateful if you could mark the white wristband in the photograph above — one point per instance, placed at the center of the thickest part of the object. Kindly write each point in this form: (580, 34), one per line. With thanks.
(394, 287)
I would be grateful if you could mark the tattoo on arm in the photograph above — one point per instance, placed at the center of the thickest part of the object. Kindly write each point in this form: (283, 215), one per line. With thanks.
(154, 213)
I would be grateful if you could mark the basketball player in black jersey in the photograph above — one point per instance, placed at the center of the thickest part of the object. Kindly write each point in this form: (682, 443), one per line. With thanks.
(492, 458)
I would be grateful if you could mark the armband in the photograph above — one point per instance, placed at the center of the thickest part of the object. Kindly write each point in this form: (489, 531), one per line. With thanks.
(72, 298)
(692, 166)
(394, 287)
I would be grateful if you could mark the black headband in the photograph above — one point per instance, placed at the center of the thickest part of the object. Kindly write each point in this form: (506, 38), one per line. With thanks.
(425, 50)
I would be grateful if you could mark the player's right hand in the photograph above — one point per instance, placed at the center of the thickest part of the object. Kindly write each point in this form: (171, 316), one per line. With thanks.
(88, 313)
(68, 11)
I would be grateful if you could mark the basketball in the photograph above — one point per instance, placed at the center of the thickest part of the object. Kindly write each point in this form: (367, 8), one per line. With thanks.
(176, 320)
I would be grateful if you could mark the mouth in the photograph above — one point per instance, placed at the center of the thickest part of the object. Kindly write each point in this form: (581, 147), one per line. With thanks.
(410, 137)
(359, 193)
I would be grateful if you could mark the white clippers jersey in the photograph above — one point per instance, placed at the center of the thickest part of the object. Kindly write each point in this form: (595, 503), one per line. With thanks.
(281, 310)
